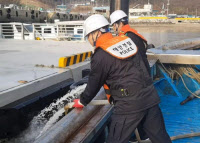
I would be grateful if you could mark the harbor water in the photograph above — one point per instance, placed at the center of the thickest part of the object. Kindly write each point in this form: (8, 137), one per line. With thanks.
(162, 34)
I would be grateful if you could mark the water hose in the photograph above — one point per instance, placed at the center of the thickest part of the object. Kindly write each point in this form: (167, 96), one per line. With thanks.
(190, 97)
(80, 82)
(185, 136)
(98, 102)
(93, 102)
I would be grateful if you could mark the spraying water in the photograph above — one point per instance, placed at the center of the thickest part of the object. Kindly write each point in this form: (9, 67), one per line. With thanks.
(47, 117)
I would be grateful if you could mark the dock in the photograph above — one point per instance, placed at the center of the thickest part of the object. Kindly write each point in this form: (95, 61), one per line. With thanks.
(30, 66)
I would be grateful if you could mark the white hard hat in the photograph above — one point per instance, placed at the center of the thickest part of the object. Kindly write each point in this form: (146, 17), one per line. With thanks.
(94, 22)
(117, 15)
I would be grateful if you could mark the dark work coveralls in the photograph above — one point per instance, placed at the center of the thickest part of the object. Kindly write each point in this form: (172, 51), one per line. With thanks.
(139, 40)
(141, 43)
(141, 104)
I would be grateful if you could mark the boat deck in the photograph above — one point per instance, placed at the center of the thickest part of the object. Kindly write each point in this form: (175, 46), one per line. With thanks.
(181, 119)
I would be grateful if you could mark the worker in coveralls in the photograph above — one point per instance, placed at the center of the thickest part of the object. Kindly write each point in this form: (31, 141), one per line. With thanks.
(117, 64)
(119, 21)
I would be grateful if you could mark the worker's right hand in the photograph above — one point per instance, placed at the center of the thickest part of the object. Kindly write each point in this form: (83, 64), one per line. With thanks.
(77, 103)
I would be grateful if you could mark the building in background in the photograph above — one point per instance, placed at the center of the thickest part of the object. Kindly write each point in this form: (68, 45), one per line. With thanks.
(137, 12)
(61, 8)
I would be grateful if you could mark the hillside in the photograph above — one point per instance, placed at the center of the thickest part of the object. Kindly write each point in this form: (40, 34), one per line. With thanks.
(176, 6)
(46, 4)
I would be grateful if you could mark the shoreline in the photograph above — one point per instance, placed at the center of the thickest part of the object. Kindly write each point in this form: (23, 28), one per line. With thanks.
(196, 25)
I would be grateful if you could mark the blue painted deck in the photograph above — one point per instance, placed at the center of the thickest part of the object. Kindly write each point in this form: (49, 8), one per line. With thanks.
(179, 119)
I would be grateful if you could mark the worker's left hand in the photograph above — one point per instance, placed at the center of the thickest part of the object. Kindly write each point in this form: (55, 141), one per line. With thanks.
(77, 103)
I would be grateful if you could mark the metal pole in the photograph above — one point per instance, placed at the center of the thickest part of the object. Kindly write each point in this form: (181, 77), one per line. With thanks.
(34, 36)
(1, 31)
(168, 8)
(57, 31)
(117, 4)
(124, 5)
(22, 31)
(196, 12)
(112, 6)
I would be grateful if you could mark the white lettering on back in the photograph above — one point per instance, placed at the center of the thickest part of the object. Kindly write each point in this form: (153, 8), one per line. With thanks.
(123, 49)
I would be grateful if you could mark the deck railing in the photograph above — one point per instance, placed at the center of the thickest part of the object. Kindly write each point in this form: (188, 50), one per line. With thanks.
(42, 31)
(12, 31)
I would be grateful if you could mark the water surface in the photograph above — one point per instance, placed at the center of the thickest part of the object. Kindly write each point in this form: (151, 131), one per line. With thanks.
(162, 34)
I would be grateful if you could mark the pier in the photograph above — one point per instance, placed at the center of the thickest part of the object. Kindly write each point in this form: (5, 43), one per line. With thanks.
(34, 64)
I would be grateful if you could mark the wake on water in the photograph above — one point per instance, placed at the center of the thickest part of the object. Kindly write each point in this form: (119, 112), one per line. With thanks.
(47, 117)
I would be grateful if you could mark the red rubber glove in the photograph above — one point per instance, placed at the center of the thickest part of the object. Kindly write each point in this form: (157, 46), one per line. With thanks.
(77, 103)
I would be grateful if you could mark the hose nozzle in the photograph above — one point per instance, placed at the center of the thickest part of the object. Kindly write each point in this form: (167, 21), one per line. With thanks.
(189, 98)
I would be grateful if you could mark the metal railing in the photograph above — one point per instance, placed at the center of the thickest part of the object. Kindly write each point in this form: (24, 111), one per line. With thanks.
(58, 31)
(42, 31)
(11, 31)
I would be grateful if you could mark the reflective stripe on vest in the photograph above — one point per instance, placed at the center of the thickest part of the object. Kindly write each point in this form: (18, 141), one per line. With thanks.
(127, 28)
(120, 47)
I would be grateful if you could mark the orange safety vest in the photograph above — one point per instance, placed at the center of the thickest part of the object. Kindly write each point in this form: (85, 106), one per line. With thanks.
(127, 28)
(121, 47)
